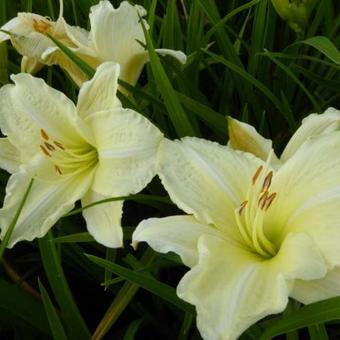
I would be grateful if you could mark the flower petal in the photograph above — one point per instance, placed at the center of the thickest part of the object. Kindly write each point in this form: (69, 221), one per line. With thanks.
(48, 108)
(179, 234)
(312, 126)
(116, 34)
(30, 65)
(233, 288)
(115, 31)
(317, 290)
(127, 145)
(206, 179)
(46, 203)
(179, 55)
(308, 193)
(9, 156)
(104, 220)
(244, 137)
(99, 93)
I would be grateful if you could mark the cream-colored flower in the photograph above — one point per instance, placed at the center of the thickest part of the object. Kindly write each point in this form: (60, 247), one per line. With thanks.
(116, 35)
(91, 151)
(254, 235)
(244, 137)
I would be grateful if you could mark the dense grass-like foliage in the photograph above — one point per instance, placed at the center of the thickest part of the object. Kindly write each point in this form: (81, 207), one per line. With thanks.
(243, 61)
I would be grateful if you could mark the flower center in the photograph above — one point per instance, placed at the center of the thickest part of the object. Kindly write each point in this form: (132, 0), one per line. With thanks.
(42, 26)
(67, 160)
(250, 214)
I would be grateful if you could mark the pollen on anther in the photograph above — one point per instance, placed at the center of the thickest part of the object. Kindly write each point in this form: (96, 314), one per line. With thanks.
(49, 146)
(257, 174)
(263, 199)
(58, 169)
(43, 134)
(59, 145)
(242, 206)
(43, 149)
(269, 201)
(267, 182)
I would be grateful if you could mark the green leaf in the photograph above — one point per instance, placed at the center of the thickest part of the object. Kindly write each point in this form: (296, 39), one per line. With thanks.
(76, 326)
(177, 114)
(158, 288)
(74, 238)
(23, 307)
(132, 329)
(325, 46)
(306, 316)
(52, 316)
(11, 227)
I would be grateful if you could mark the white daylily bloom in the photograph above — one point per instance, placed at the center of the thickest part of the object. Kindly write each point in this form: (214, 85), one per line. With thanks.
(244, 137)
(254, 235)
(90, 152)
(116, 35)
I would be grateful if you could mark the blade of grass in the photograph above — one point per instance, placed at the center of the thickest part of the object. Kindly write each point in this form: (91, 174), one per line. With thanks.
(121, 301)
(56, 326)
(158, 288)
(76, 326)
(309, 315)
(177, 114)
(13, 223)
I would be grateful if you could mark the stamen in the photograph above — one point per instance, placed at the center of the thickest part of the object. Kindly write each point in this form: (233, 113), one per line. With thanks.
(262, 200)
(267, 182)
(43, 134)
(269, 201)
(45, 151)
(242, 206)
(257, 174)
(58, 169)
(59, 145)
(49, 146)
(41, 26)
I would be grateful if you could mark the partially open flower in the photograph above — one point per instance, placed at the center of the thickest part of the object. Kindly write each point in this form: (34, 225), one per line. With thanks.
(90, 152)
(295, 12)
(254, 235)
(116, 35)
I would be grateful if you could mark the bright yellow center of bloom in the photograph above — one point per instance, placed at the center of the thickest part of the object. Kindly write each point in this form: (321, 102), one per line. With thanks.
(67, 160)
(250, 214)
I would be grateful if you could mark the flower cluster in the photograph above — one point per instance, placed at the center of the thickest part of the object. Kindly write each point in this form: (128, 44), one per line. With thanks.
(259, 228)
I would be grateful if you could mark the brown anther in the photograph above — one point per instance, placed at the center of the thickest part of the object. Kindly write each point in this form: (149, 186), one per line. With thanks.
(267, 182)
(49, 146)
(257, 174)
(269, 201)
(41, 26)
(262, 200)
(242, 206)
(59, 145)
(43, 149)
(58, 169)
(43, 134)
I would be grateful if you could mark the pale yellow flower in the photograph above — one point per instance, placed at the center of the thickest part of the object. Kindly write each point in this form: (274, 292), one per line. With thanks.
(254, 235)
(244, 137)
(91, 151)
(116, 35)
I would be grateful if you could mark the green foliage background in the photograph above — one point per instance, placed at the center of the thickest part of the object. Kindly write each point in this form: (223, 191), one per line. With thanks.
(244, 61)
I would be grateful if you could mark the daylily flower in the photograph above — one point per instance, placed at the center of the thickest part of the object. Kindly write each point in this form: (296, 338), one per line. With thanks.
(91, 151)
(254, 235)
(116, 35)
(244, 137)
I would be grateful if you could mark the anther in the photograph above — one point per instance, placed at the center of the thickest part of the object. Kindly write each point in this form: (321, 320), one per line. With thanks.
(45, 151)
(267, 182)
(59, 145)
(43, 134)
(49, 146)
(257, 174)
(242, 206)
(269, 201)
(58, 169)
(263, 199)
